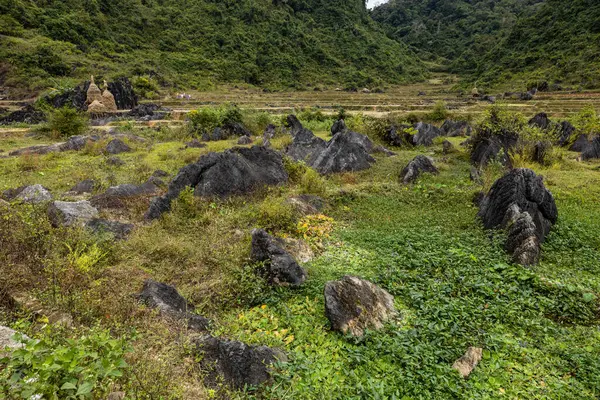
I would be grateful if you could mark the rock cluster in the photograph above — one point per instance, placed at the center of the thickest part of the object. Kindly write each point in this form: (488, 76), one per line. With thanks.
(520, 203)
(347, 151)
(456, 128)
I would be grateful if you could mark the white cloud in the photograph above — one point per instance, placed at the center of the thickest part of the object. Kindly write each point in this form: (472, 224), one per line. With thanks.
(373, 3)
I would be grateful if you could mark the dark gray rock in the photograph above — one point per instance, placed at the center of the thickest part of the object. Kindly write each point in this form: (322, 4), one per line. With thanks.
(237, 363)
(234, 172)
(117, 146)
(346, 152)
(541, 121)
(28, 115)
(526, 96)
(115, 161)
(268, 134)
(518, 192)
(417, 166)
(522, 242)
(118, 229)
(565, 132)
(487, 146)
(74, 143)
(305, 146)
(455, 128)
(118, 196)
(64, 213)
(170, 303)
(144, 110)
(592, 151)
(353, 305)
(195, 144)
(580, 144)
(448, 147)
(279, 267)
(159, 173)
(392, 138)
(338, 126)
(541, 151)
(425, 134)
(122, 90)
(475, 175)
(244, 140)
(233, 129)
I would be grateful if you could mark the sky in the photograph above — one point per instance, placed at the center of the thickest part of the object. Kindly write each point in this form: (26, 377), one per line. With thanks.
(373, 3)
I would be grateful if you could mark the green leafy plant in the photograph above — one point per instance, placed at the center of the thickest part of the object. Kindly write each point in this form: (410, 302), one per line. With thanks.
(55, 368)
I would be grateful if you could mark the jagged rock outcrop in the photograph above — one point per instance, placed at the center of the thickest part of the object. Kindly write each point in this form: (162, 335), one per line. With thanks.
(279, 267)
(541, 121)
(418, 165)
(565, 132)
(456, 128)
(580, 144)
(65, 213)
(171, 304)
(592, 151)
(28, 115)
(487, 146)
(346, 151)
(467, 363)
(233, 172)
(122, 90)
(353, 304)
(520, 203)
(237, 363)
(425, 134)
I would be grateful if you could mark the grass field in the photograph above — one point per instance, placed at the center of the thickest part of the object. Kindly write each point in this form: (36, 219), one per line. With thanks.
(454, 285)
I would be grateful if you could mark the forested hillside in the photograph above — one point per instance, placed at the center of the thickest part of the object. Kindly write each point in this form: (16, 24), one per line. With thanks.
(494, 41)
(200, 42)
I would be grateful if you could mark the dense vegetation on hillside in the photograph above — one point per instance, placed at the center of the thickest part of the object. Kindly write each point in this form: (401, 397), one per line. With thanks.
(494, 40)
(200, 42)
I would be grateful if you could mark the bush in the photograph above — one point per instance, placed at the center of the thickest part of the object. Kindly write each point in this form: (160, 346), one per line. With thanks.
(54, 367)
(312, 183)
(64, 122)
(439, 113)
(274, 214)
(207, 119)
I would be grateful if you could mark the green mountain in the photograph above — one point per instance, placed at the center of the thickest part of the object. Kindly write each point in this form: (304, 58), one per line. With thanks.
(496, 41)
(198, 43)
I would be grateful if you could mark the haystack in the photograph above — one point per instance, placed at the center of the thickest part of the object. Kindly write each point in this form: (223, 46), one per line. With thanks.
(97, 108)
(93, 93)
(108, 99)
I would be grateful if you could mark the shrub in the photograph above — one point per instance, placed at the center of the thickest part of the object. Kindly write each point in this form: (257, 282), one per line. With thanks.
(64, 122)
(53, 367)
(587, 121)
(439, 112)
(312, 183)
(274, 214)
(208, 118)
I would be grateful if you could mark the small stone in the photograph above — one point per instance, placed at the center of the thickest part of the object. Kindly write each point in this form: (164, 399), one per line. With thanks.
(119, 230)
(244, 140)
(117, 146)
(280, 268)
(418, 165)
(465, 364)
(34, 194)
(115, 161)
(85, 186)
